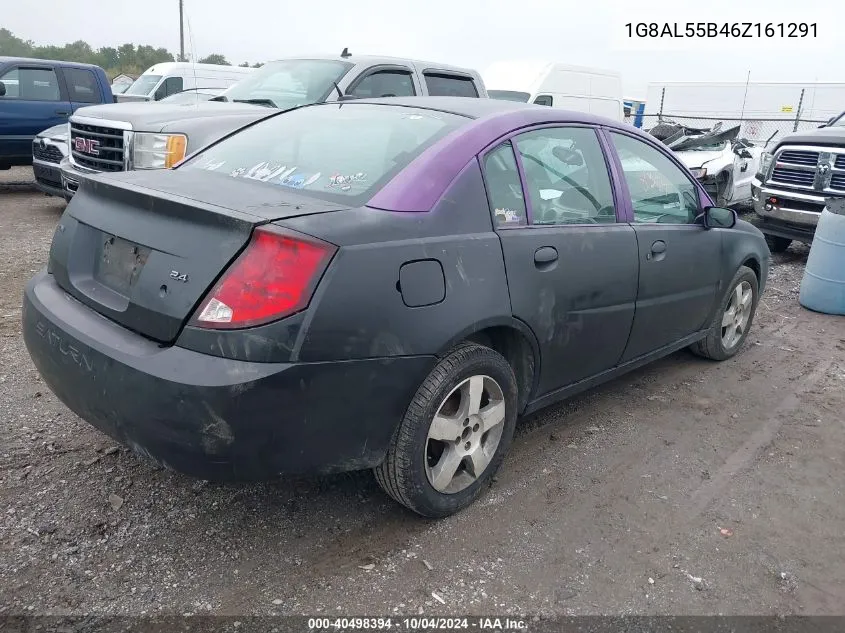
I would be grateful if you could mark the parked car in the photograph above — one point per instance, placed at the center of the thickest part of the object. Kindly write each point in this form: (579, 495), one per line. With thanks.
(594, 90)
(724, 163)
(193, 95)
(36, 94)
(141, 137)
(794, 181)
(48, 150)
(168, 78)
(382, 284)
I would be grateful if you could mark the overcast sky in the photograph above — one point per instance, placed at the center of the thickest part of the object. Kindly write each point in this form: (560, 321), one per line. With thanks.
(471, 33)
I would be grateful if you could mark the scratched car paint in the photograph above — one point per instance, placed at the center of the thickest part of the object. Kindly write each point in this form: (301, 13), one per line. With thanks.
(388, 288)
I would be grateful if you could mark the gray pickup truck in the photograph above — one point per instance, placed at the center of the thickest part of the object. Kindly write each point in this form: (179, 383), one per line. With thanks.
(125, 136)
(796, 179)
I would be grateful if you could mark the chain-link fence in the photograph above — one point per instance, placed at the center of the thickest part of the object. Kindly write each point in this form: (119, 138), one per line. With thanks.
(758, 131)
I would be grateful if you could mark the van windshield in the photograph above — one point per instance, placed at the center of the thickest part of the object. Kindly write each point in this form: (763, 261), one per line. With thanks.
(143, 85)
(509, 95)
(289, 83)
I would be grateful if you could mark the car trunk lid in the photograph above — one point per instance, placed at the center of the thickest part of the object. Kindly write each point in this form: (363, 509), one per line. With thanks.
(143, 249)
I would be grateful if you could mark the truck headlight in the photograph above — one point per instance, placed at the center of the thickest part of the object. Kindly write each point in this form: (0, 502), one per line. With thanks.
(699, 172)
(766, 160)
(158, 151)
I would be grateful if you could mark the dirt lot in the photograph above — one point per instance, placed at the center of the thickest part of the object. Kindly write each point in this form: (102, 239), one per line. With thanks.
(613, 503)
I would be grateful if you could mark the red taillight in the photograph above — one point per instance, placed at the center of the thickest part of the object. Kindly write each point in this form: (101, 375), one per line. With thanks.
(273, 278)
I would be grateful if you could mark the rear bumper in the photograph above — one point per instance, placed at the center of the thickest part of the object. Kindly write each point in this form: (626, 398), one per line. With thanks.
(212, 417)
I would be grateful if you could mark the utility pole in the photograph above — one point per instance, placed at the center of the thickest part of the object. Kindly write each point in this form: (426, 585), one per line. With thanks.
(181, 32)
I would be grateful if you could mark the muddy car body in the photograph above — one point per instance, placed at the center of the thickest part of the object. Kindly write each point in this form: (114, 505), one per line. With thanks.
(319, 305)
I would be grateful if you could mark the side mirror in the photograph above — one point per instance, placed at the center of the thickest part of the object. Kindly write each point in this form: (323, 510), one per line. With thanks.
(719, 218)
(744, 153)
(2, 89)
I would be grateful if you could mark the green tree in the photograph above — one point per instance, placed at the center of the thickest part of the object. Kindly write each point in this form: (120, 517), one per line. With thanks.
(14, 46)
(215, 58)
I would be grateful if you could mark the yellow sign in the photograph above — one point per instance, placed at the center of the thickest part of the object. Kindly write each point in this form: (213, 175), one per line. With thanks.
(786, 108)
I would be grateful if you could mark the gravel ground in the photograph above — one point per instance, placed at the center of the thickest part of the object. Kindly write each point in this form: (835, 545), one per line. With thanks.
(687, 487)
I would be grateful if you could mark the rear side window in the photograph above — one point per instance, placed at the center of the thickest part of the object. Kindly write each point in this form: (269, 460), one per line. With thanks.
(32, 84)
(544, 100)
(343, 152)
(504, 187)
(81, 85)
(444, 85)
(385, 83)
(566, 176)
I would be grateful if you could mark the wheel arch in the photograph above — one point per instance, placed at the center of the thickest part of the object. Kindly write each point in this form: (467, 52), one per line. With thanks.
(514, 340)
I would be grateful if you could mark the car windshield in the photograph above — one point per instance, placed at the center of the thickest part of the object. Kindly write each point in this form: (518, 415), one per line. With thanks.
(509, 95)
(143, 85)
(191, 96)
(712, 147)
(341, 152)
(289, 83)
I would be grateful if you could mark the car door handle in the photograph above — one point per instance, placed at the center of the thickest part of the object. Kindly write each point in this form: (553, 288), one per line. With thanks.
(62, 112)
(544, 256)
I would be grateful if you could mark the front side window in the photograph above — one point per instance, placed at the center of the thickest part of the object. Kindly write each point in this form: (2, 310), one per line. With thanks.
(171, 86)
(342, 152)
(82, 85)
(143, 85)
(660, 191)
(385, 83)
(543, 100)
(566, 176)
(443, 85)
(31, 84)
(504, 187)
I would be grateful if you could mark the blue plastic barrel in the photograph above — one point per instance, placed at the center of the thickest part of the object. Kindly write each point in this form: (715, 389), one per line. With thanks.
(823, 285)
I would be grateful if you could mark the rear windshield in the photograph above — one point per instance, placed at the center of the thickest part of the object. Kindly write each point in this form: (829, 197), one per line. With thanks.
(143, 85)
(509, 95)
(342, 152)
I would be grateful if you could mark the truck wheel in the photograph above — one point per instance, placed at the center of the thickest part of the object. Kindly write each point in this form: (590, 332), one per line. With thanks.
(777, 244)
(454, 435)
(733, 319)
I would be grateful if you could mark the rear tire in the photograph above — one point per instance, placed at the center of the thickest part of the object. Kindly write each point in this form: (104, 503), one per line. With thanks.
(777, 244)
(733, 319)
(415, 471)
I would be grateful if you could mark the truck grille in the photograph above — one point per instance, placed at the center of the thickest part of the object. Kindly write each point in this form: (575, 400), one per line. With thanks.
(840, 161)
(838, 182)
(48, 153)
(799, 157)
(793, 177)
(96, 147)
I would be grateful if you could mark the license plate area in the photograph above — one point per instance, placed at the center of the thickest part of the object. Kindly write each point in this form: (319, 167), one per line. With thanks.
(118, 263)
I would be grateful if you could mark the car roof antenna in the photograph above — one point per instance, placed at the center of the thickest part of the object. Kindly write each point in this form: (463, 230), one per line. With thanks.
(345, 53)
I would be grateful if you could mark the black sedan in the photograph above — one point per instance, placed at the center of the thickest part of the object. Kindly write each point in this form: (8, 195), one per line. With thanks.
(386, 284)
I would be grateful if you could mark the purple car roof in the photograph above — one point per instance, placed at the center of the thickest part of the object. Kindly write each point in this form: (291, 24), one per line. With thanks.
(419, 186)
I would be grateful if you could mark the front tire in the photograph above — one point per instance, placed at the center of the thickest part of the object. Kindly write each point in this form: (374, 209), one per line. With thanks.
(454, 434)
(777, 244)
(733, 319)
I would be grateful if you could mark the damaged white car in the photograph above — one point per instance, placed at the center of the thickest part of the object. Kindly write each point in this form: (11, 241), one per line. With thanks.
(723, 163)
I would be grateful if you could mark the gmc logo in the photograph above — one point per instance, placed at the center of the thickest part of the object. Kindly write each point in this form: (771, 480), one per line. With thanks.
(86, 146)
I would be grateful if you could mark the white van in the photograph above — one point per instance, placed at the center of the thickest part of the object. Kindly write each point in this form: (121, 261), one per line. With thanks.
(163, 80)
(558, 85)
